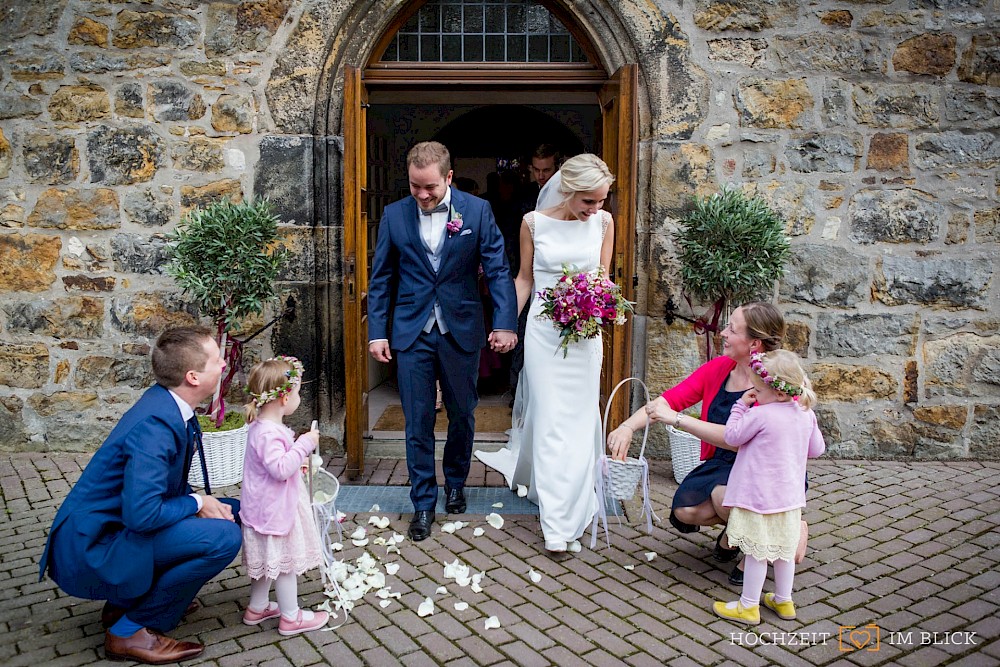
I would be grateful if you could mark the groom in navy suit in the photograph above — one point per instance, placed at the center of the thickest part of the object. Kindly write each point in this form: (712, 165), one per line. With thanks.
(131, 531)
(425, 277)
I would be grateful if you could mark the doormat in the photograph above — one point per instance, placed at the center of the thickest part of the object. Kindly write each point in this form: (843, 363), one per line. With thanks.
(479, 500)
(489, 419)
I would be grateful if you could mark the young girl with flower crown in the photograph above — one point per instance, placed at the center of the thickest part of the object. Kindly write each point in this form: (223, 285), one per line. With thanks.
(280, 541)
(765, 491)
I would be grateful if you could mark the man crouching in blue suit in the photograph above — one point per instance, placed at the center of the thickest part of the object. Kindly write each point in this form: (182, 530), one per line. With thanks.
(131, 531)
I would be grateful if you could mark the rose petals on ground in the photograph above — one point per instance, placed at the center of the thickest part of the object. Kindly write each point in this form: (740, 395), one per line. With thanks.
(478, 532)
(498, 505)
(426, 608)
(379, 522)
(534, 576)
(495, 520)
(384, 603)
(360, 543)
(359, 534)
(629, 567)
(375, 508)
(522, 491)
(461, 606)
(391, 568)
(441, 590)
(492, 623)
(650, 555)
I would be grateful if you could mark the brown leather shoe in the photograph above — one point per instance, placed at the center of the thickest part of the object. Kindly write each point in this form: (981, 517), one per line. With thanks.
(149, 647)
(110, 614)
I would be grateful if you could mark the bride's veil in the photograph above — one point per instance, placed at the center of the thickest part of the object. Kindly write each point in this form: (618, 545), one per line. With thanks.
(549, 195)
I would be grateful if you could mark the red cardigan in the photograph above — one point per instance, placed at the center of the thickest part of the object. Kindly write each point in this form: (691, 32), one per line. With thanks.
(702, 385)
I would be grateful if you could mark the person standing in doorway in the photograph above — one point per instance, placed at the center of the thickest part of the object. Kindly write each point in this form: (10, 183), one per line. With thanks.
(425, 272)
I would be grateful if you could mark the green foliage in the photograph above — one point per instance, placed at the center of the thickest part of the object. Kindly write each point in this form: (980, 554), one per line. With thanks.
(731, 247)
(227, 258)
(234, 419)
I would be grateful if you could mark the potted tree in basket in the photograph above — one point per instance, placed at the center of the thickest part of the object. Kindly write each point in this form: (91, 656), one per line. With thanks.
(732, 249)
(226, 257)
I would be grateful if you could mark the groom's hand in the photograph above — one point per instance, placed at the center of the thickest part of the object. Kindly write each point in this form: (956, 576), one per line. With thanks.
(379, 349)
(502, 341)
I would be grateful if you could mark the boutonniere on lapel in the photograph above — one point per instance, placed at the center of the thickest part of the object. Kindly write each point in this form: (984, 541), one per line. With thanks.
(455, 224)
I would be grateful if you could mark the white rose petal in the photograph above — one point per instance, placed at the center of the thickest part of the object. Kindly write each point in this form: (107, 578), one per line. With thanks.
(360, 543)
(399, 538)
(476, 588)
(650, 555)
(574, 547)
(534, 576)
(340, 516)
(379, 542)
(492, 623)
(379, 522)
(462, 581)
(479, 532)
(391, 549)
(522, 491)
(456, 570)
(448, 528)
(498, 505)
(629, 567)
(359, 534)
(441, 590)
(336, 546)
(426, 608)
(495, 520)
(375, 508)
(460, 524)
(384, 603)
(391, 568)
(383, 594)
(461, 606)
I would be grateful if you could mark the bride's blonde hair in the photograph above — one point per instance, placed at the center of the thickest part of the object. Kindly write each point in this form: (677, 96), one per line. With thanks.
(583, 173)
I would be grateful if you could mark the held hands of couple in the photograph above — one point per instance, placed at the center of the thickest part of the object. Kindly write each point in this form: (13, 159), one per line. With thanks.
(502, 341)
(212, 508)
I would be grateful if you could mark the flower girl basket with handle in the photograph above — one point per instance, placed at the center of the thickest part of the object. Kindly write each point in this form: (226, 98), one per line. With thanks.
(323, 490)
(621, 478)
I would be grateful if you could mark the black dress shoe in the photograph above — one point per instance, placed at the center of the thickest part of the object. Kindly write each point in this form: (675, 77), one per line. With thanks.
(736, 576)
(454, 501)
(722, 554)
(420, 525)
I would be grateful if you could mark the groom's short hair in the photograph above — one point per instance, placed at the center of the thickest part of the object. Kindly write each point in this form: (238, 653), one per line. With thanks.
(427, 153)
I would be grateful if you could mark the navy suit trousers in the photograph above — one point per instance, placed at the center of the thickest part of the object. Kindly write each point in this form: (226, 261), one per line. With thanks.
(436, 356)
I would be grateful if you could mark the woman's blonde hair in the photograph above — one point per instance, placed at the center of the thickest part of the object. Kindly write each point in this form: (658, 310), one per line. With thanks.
(785, 366)
(264, 376)
(583, 173)
(764, 323)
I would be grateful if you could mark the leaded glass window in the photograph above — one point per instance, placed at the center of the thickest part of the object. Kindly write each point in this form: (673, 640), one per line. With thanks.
(472, 31)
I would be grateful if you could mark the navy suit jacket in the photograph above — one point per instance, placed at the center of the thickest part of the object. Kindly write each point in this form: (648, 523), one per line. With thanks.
(404, 283)
(100, 546)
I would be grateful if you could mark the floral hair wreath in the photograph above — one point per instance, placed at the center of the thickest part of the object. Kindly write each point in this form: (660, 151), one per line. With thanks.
(757, 365)
(294, 375)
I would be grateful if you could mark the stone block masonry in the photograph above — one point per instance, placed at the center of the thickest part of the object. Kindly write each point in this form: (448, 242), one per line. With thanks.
(872, 127)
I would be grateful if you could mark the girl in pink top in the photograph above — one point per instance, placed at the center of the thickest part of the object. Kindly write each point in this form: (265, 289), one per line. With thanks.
(765, 490)
(280, 540)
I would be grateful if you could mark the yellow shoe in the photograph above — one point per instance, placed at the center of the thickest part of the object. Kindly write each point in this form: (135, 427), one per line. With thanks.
(739, 613)
(784, 610)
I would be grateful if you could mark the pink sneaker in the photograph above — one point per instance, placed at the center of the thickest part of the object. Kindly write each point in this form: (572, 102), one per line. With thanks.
(251, 617)
(301, 624)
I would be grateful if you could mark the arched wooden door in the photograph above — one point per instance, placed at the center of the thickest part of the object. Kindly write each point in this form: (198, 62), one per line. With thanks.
(616, 96)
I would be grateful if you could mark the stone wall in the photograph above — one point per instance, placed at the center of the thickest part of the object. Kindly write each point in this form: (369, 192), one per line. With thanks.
(874, 127)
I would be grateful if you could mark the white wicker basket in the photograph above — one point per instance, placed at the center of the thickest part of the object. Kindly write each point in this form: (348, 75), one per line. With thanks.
(623, 476)
(685, 452)
(224, 451)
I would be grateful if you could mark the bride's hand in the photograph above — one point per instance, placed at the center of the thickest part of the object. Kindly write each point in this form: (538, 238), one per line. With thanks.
(619, 441)
(659, 411)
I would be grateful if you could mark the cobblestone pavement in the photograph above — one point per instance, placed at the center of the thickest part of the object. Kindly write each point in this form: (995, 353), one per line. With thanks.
(904, 552)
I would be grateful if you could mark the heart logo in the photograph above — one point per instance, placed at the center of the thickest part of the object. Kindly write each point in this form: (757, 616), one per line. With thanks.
(860, 638)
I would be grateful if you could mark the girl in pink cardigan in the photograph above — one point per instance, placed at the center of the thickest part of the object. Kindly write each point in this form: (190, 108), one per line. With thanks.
(765, 490)
(280, 540)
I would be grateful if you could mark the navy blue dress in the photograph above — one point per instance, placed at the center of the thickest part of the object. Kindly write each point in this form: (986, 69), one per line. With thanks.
(698, 485)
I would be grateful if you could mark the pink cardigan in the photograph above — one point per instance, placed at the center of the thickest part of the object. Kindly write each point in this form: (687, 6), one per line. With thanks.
(774, 441)
(271, 477)
(702, 385)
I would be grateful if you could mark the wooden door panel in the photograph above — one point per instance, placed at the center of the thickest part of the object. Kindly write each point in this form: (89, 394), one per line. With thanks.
(355, 270)
(619, 147)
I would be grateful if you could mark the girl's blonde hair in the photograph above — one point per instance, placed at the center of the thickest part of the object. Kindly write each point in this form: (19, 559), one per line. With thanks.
(785, 366)
(264, 377)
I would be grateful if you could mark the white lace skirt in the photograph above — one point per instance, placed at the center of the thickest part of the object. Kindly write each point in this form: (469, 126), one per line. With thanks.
(299, 551)
(767, 537)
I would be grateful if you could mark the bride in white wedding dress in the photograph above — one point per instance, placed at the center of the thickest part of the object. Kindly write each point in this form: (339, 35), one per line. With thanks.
(556, 434)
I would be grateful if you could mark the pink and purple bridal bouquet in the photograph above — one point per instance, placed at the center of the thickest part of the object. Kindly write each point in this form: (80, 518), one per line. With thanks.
(580, 303)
